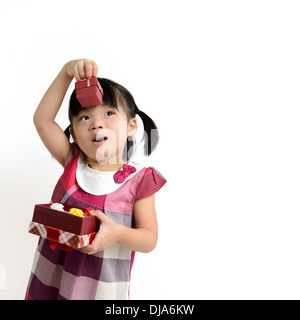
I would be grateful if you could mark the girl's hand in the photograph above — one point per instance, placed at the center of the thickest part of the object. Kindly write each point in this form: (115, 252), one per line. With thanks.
(107, 234)
(81, 69)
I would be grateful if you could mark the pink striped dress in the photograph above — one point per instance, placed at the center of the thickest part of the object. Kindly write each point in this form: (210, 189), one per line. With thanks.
(63, 275)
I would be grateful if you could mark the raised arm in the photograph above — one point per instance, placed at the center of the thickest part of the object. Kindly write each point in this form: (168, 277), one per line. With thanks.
(49, 131)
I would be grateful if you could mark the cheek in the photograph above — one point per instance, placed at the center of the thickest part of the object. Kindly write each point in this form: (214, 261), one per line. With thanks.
(79, 134)
(122, 131)
(119, 129)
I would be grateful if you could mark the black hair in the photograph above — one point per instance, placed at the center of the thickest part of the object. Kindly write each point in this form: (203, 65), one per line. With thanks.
(112, 94)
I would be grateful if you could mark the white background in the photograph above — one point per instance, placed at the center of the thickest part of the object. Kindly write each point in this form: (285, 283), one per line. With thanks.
(221, 79)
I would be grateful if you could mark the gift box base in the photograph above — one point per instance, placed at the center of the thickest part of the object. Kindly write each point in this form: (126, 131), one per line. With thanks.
(57, 237)
(63, 220)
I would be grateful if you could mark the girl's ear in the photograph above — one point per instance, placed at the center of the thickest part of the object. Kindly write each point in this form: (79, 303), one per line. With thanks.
(132, 127)
(72, 133)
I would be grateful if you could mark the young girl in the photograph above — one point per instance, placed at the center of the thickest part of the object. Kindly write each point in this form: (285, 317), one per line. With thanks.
(98, 174)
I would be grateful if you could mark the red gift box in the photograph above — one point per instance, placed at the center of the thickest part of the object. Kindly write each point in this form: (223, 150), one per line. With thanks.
(89, 92)
(62, 228)
(63, 220)
(59, 238)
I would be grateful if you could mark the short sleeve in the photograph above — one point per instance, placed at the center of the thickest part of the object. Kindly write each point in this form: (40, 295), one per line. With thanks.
(151, 182)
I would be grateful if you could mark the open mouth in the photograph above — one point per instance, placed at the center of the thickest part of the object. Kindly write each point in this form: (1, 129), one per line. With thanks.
(99, 139)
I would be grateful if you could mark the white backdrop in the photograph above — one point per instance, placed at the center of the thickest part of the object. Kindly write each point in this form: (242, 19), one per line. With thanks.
(221, 79)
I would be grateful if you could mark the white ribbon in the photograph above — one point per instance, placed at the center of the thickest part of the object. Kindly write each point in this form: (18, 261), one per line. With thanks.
(57, 206)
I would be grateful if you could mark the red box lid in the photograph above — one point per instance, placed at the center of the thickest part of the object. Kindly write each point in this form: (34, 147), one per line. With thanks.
(89, 92)
(63, 220)
(88, 83)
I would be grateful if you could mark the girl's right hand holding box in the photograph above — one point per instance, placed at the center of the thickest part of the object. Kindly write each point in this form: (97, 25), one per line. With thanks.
(81, 69)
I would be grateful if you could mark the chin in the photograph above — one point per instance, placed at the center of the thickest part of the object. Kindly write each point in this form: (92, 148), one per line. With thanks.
(104, 156)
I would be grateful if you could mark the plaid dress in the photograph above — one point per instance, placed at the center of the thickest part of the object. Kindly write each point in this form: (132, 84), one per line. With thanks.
(63, 275)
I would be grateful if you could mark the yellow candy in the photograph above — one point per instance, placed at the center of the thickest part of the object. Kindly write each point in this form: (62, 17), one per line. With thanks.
(76, 212)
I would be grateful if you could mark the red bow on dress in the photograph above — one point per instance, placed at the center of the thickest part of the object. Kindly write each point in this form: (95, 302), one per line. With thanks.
(121, 175)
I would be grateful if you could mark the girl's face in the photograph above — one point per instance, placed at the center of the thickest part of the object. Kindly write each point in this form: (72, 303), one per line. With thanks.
(101, 133)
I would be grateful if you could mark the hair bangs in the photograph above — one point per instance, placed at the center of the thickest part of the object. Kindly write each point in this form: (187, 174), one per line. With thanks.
(109, 93)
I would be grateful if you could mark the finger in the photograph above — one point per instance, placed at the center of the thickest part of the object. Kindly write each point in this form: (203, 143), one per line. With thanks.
(99, 214)
(76, 73)
(81, 69)
(89, 249)
(88, 69)
(95, 246)
(95, 70)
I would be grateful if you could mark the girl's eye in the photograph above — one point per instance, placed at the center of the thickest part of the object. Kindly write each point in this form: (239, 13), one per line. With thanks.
(109, 113)
(84, 118)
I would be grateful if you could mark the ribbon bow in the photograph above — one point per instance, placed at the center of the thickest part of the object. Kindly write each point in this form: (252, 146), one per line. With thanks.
(121, 175)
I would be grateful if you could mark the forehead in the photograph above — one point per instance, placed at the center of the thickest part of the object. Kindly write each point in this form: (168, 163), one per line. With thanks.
(100, 109)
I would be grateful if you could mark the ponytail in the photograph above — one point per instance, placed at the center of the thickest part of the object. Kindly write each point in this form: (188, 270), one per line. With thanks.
(67, 132)
(150, 136)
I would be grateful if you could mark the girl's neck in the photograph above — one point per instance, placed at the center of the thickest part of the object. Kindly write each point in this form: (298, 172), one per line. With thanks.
(105, 166)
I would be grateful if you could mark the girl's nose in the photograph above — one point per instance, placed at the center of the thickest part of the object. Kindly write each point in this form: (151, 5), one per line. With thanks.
(96, 125)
